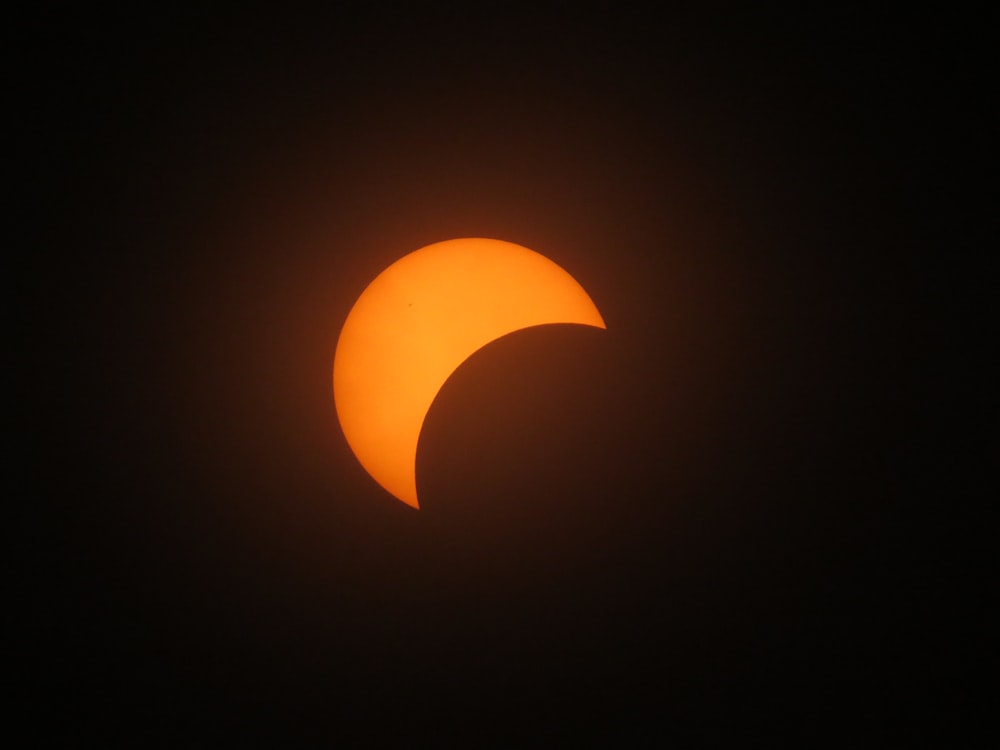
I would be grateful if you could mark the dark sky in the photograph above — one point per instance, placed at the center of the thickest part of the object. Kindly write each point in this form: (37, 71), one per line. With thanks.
(740, 513)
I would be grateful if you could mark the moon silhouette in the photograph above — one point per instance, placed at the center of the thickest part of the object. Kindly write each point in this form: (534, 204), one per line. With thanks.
(418, 321)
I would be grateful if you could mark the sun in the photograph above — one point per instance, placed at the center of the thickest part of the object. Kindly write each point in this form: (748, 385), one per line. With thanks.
(418, 321)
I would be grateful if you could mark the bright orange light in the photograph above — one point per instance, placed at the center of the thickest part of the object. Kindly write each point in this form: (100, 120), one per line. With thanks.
(418, 321)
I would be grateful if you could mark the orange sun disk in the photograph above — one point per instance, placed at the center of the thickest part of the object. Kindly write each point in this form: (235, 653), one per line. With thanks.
(418, 321)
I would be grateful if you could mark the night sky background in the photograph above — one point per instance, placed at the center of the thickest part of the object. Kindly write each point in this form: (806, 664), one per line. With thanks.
(744, 512)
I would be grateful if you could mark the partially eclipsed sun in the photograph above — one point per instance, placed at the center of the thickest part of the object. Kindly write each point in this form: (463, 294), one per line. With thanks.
(418, 321)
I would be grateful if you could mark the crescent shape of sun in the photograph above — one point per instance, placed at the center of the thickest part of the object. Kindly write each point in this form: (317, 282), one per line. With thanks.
(420, 319)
